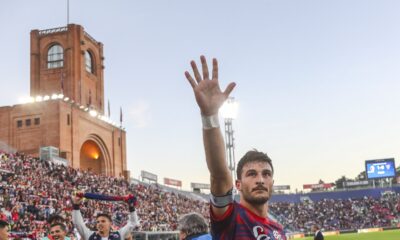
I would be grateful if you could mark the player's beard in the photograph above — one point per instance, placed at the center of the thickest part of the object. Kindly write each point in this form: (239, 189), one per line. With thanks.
(261, 200)
(256, 199)
(253, 196)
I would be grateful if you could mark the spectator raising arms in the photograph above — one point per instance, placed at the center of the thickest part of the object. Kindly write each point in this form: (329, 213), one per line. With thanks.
(103, 224)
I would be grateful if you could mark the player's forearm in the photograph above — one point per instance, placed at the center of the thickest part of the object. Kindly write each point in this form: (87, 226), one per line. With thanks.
(214, 146)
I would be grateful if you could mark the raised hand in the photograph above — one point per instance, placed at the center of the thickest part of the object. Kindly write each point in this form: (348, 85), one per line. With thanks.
(132, 202)
(77, 198)
(207, 91)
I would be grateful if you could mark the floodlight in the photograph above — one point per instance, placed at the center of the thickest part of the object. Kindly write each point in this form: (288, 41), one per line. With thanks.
(92, 113)
(229, 109)
(39, 98)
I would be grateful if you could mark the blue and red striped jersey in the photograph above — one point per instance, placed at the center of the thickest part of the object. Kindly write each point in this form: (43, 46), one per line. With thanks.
(240, 223)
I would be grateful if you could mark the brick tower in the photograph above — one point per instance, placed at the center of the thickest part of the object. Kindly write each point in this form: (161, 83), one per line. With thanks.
(66, 107)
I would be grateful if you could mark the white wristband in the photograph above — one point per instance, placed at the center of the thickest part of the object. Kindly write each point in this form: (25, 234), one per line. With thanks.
(210, 122)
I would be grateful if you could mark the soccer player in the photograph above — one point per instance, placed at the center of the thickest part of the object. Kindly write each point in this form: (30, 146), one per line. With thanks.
(247, 219)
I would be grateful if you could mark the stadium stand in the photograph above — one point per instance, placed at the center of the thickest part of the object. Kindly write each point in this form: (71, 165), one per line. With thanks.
(340, 214)
(31, 190)
(336, 195)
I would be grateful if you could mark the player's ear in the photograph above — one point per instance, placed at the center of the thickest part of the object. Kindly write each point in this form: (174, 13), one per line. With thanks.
(238, 184)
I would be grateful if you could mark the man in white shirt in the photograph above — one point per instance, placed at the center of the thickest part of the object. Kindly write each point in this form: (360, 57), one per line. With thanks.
(103, 224)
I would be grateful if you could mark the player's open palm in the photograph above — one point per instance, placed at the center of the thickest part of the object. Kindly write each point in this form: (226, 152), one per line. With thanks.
(207, 91)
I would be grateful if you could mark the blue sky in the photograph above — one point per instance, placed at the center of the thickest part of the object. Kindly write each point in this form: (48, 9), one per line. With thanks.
(317, 81)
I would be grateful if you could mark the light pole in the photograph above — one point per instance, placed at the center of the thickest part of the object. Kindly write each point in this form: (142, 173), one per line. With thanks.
(229, 112)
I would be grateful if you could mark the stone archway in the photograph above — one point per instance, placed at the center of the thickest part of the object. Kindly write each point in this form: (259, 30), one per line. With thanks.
(94, 156)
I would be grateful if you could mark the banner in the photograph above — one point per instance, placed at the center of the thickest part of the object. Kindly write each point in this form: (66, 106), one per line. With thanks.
(172, 182)
(331, 233)
(281, 187)
(356, 183)
(149, 176)
(369, 230)
(200, 185)
(318, 186)
(296, 235)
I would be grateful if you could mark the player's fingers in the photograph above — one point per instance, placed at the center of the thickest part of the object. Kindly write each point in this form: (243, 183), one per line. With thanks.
(190, 79)
(196, 72)
(215, 69)
(204, 67)
(229, 89)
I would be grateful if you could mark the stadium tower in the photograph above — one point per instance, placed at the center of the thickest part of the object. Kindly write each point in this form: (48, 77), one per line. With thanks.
(66, 107)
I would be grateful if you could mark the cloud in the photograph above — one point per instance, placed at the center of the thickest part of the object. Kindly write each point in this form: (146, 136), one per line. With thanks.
(139, 114)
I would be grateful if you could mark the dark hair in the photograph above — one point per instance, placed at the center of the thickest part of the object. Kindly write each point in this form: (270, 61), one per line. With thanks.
(62, 226)
(104, 215)
(252, 156)
(192, 224)
(3, 224)
(55, 218)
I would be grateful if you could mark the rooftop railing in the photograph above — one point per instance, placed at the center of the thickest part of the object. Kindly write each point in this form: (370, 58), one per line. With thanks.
(53, 30)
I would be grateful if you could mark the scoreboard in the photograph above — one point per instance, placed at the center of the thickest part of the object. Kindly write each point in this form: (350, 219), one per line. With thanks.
(380, 168)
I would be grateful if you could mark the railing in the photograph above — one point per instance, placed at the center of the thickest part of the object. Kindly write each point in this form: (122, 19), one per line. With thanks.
(63, 29)
(172, 235)
(53, 30)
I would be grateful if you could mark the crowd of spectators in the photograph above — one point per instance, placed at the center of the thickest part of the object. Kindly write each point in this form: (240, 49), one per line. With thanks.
(348, 214)
(32, 190)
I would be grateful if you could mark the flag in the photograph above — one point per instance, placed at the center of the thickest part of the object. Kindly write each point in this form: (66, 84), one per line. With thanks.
(120, 115)
(109, 110)
(62, 83)
(80, 90)
(130, 198)
(90, 98)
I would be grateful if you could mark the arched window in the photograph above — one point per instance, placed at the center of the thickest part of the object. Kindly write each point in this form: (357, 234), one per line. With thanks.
(55, 56)
(89, 62)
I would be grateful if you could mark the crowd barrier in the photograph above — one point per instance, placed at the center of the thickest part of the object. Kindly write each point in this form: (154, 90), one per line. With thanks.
(173, 235)
(335, 233)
